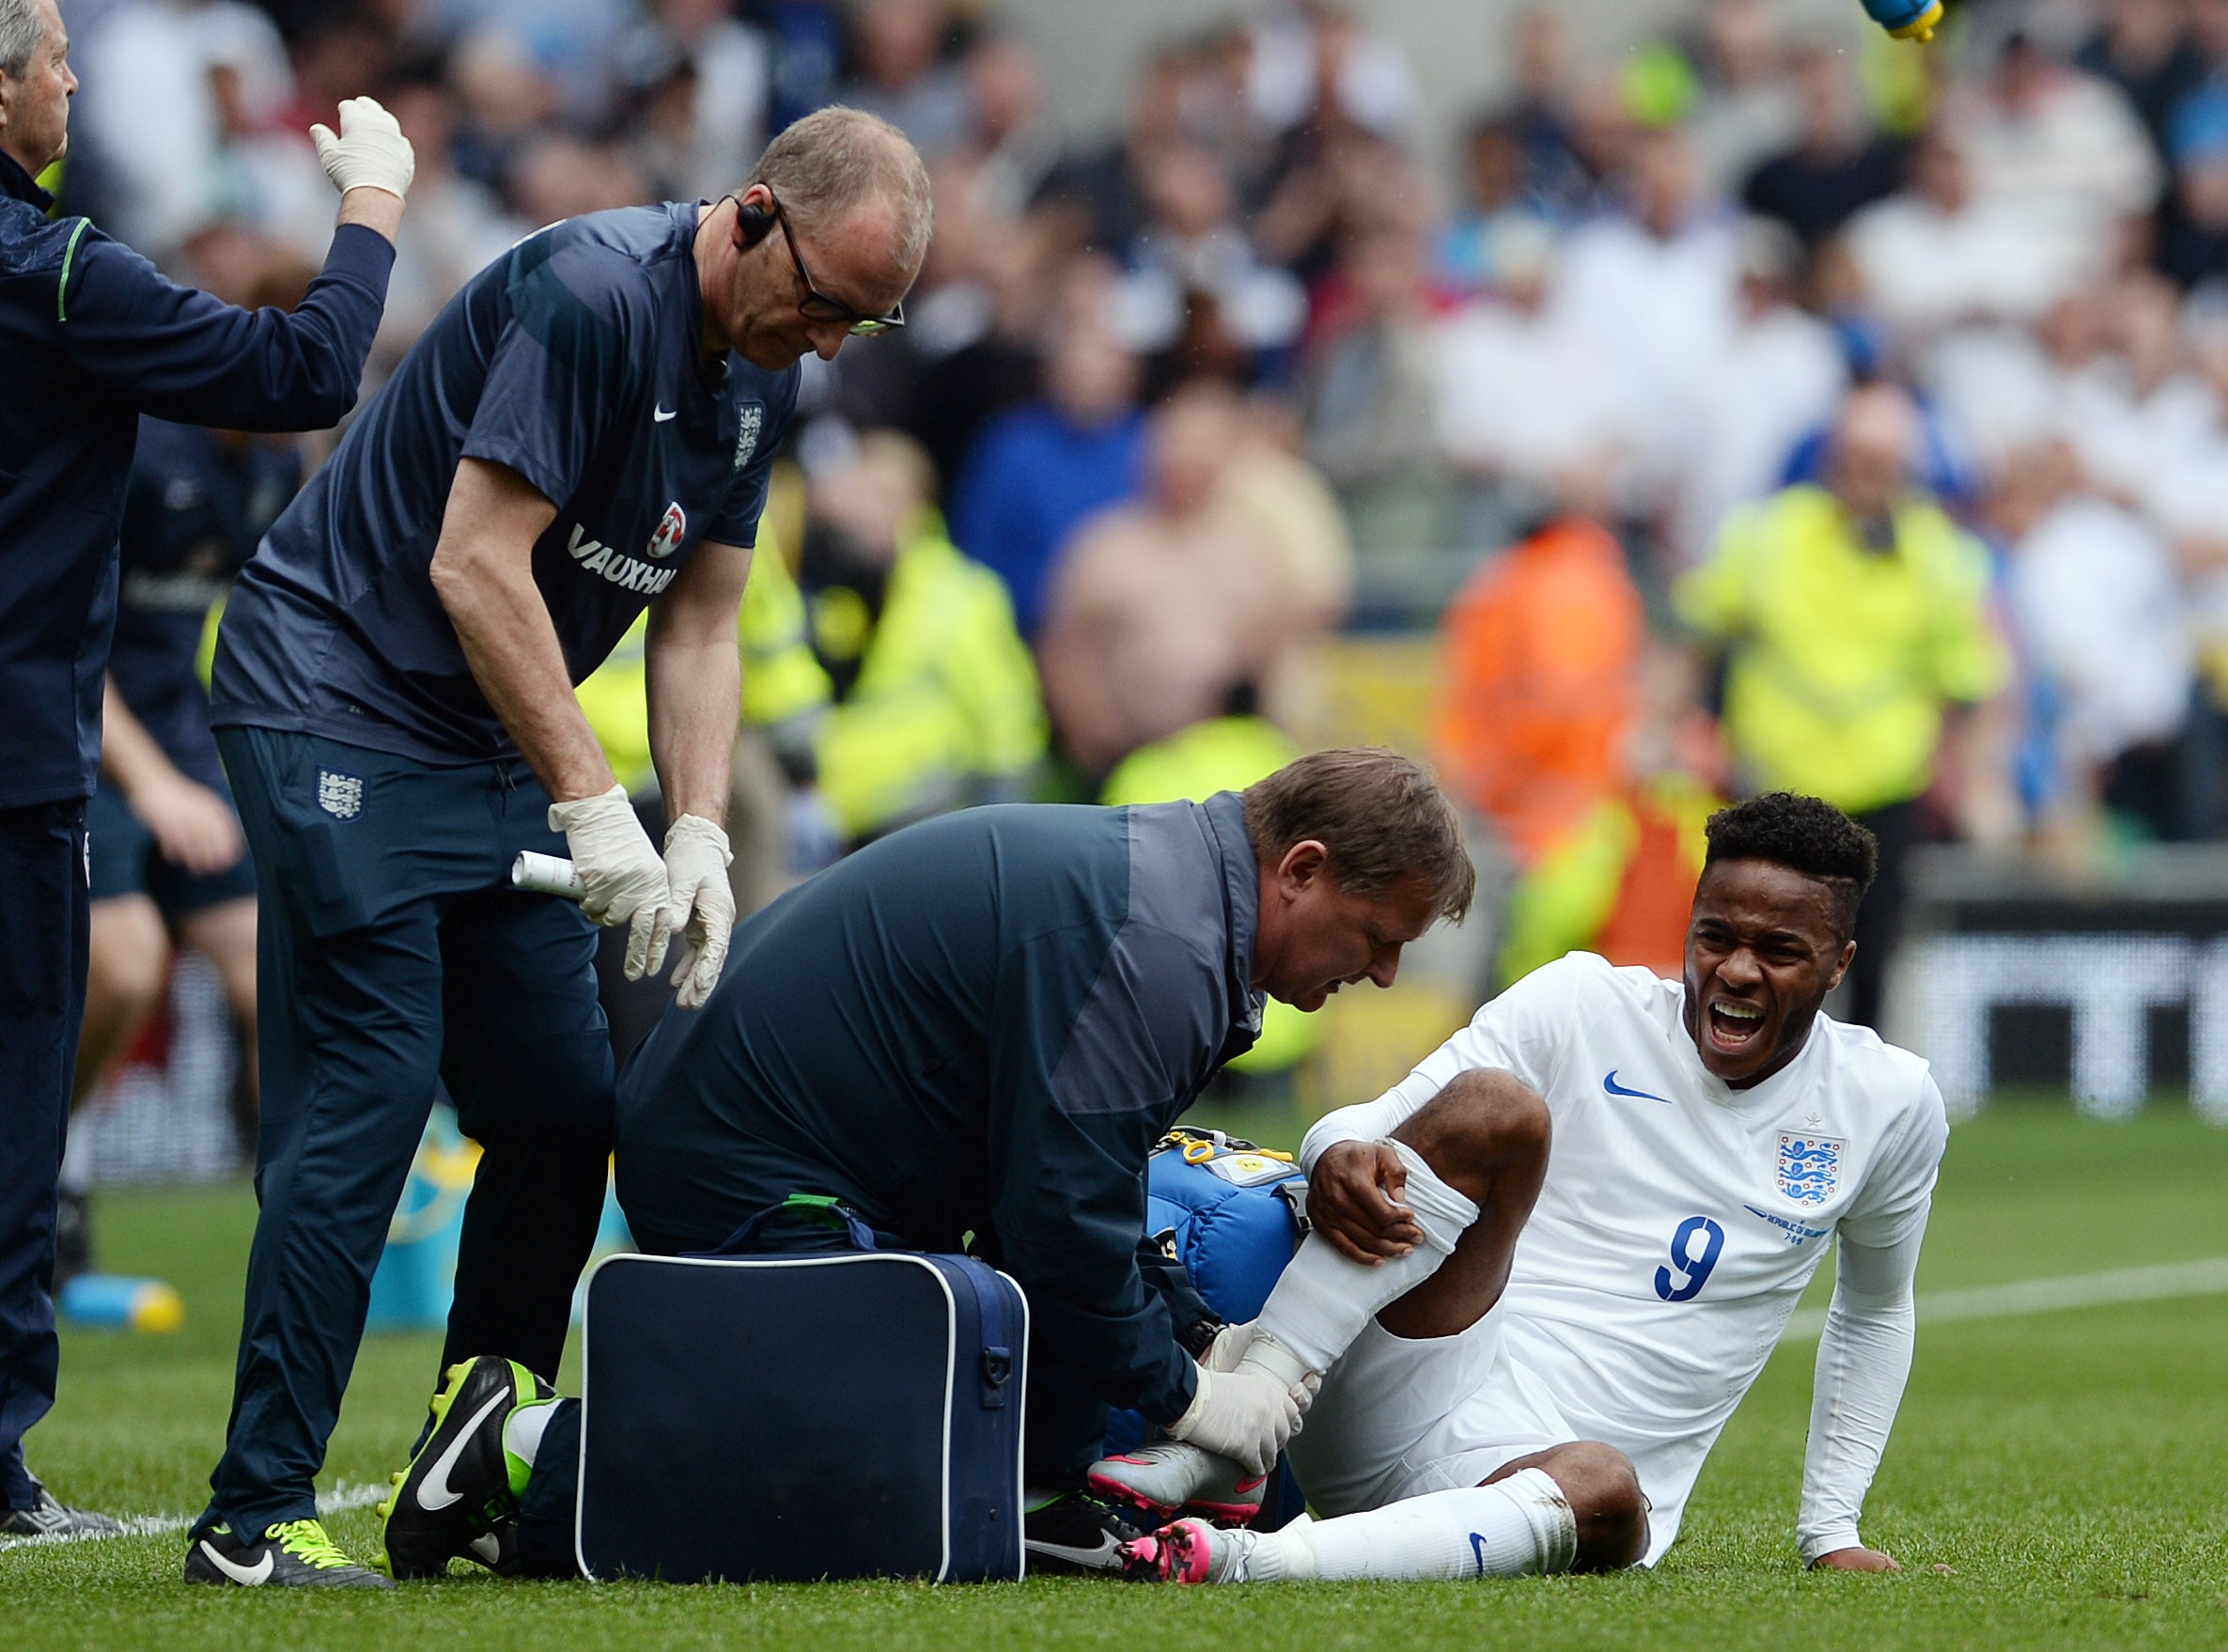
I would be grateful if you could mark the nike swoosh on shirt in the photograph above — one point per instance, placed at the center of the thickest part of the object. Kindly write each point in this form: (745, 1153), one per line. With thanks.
(248, 1576)
(1609, 1083)
(660, 415)
(433, 1490)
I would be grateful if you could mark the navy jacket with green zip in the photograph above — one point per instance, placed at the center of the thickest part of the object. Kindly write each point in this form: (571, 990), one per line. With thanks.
(980, 1024)
(91, 336)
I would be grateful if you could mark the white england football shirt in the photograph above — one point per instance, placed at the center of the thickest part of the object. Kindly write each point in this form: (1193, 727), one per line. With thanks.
(1680, 1218)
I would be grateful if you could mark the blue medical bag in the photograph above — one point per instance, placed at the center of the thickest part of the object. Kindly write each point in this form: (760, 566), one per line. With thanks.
(819, 1414)
(1233, 1214)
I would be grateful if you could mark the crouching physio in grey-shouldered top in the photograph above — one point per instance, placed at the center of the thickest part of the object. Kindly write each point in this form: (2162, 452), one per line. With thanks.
(983, 1024)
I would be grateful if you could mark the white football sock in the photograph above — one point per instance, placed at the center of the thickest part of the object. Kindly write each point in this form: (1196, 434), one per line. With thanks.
(1511, 1529)
(1324, 1298)
(524, 1428)
(1286, 1555)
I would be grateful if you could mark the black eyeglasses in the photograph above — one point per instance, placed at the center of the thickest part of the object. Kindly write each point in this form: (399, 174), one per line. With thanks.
(817, 306)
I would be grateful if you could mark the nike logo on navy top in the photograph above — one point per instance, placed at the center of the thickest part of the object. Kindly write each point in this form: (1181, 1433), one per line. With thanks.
(660, 415)
(1609, 1083)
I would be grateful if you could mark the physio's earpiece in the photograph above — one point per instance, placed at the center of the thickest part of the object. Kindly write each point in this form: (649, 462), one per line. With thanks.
(754, 224)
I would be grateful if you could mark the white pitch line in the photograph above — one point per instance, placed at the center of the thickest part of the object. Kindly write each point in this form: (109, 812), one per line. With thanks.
(342, 1498)
(2206, 1278)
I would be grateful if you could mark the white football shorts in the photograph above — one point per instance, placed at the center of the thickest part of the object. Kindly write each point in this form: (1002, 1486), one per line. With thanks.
(1400, 1417)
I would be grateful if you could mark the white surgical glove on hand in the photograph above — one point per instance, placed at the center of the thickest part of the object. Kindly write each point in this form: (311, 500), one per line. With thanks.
(696, 860)
(370, 152)
(622, 878)
(1241, 1414)
(1228, 1348)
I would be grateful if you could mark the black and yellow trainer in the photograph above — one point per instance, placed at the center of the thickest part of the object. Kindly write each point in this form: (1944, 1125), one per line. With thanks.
(290, 1554)
(460, 1489)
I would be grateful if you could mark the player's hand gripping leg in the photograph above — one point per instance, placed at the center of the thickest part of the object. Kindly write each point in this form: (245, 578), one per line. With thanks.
(622, 874)
(696, 862)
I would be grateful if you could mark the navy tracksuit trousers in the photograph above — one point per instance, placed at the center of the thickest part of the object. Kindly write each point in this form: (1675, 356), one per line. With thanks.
(43, 997)
(394, 953)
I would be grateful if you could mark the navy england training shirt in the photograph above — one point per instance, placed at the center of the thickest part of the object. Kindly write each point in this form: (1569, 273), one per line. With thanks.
(576, 360)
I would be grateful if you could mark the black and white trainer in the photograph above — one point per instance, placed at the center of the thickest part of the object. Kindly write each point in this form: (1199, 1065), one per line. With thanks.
(458, 1487)
(292, 1554)
(1076, 1533)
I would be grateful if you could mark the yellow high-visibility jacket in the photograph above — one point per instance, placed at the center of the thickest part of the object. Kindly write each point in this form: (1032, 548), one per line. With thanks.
(1840, 659)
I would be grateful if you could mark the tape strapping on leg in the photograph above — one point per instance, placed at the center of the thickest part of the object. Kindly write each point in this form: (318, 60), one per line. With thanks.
(1441, 1211)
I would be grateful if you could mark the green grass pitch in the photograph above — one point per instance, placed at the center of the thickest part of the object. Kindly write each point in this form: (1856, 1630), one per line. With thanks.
(2057, 1480)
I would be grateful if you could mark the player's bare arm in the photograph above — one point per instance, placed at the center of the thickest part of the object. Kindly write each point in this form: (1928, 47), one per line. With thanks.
(483, 572)
(193, 827)
(695, 680)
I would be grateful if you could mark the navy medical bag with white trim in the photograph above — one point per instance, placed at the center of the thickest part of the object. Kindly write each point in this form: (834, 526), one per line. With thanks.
(816, 1415)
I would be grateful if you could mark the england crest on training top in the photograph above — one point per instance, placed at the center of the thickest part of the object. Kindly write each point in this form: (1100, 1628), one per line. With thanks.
(750, 417)
(1808, 1167)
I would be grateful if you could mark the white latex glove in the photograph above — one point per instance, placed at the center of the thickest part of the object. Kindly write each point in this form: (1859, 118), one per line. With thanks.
(622, 875)
(370, 152)
(1229, 1346)
(1245, 1416)
(696, 862)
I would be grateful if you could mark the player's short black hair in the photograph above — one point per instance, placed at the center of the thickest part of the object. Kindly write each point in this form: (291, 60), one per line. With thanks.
(1804, 835)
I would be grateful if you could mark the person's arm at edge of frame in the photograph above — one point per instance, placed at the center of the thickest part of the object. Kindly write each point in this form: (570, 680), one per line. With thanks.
(182, 354)
(694, 678)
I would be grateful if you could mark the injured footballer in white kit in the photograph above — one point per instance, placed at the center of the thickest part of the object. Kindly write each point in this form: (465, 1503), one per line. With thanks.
(1513, 1386)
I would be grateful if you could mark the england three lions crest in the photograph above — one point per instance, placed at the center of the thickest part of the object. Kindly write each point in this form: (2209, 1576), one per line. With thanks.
(340, 796)
(750, 418)
(1808, 1167)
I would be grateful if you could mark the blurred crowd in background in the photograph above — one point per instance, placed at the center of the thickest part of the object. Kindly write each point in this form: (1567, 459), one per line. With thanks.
(1764, 408)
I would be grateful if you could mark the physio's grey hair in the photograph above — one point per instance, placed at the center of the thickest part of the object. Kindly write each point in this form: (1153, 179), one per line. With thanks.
(834, 160)
(23, 28)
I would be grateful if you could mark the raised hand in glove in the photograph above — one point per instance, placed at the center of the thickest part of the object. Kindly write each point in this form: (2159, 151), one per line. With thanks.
(622, 878)
(696, 860)
(370, 152)
(1245, 1416)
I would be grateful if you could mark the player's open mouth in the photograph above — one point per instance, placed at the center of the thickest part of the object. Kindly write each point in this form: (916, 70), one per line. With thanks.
(1733, 1026)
